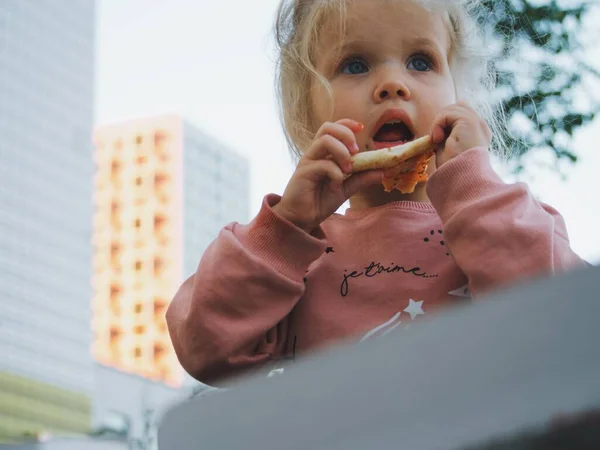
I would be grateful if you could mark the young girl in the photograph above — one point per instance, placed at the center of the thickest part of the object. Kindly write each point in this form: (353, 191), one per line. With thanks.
(358, 75)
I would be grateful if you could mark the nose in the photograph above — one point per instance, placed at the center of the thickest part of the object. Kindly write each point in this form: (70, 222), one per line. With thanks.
(391, 87)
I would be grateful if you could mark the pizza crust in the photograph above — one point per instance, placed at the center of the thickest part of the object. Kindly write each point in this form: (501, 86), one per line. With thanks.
(404, 166)
(390, 157)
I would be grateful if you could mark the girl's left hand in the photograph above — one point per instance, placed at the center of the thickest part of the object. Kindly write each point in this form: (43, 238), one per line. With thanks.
(461, 128)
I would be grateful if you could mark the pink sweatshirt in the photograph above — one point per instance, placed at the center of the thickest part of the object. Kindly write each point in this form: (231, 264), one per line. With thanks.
(268, 291)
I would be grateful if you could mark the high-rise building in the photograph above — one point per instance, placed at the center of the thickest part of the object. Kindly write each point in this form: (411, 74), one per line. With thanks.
(163, 189)
(47, 57)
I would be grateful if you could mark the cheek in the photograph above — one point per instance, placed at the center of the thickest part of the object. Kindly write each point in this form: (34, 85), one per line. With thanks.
(323, 106)
(438, 98)
(316, 107)
(348, 99)
(340, 109)
(444, 94)
(349, 104)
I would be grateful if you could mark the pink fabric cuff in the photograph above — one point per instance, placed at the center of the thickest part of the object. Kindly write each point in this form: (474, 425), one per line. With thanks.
(461, 181)
(278, 242)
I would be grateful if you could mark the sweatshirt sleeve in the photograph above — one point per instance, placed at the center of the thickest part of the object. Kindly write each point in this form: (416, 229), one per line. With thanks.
(230, 315)
(498, 233)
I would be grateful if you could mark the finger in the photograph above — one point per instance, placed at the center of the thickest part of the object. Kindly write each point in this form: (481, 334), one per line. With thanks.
(359, 181)
(438, 134)
(344, 130)
(443, 124)
(355, 126)
(322, 169)
(329, 146)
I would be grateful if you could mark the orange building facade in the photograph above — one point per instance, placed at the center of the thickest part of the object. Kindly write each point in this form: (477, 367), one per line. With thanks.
(137, 241)
(163, 190)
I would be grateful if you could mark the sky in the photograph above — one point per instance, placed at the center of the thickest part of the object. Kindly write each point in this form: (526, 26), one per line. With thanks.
(213, 64)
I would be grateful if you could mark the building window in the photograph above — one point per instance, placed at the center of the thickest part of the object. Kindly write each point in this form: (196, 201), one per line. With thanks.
(114, 341)
(138, 265)
(137, 352)
(160, 186)
(138, 223)
(115, 333)
(159, 223)
(115, 171)
(138, 308)
(139, 329)
(138, 181)
(160, 180)
(159, 138)
(159, 352)
(115, 250)
(115, 291)
(160, 307)
(158, 266)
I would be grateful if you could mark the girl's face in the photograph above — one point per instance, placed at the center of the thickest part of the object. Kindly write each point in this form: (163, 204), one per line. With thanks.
(390, 72)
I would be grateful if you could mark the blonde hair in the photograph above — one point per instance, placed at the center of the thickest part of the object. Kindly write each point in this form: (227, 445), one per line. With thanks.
(299, 24)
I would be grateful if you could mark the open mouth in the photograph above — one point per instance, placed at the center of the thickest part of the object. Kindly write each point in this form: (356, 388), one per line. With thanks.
(394, 132)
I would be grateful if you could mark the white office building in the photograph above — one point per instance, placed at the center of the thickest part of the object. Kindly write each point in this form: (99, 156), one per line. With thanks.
(47, 53)
(53, 200)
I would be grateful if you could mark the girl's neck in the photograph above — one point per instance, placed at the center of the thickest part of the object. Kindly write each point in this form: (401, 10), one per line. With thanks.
(376, 196)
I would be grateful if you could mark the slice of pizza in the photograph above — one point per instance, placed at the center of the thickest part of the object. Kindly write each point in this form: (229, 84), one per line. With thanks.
(404, 166)
(408, 174)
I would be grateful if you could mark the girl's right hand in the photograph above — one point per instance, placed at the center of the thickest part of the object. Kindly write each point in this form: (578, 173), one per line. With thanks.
(320, 185)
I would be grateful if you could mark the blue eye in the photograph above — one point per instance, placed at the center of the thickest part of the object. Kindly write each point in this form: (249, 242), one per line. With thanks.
(354, 67)
(420, 64)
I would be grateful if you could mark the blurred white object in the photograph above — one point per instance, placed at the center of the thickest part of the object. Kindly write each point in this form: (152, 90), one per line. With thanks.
(490, 368)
